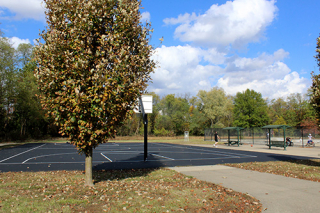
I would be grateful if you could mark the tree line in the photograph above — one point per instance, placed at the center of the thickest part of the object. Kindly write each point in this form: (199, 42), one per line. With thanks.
(174, 114)
(22, 117)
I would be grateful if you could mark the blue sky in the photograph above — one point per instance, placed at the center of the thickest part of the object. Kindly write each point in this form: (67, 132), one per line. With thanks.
(264, 45)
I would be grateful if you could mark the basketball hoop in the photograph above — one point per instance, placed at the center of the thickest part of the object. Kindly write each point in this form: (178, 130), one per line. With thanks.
(145, 107)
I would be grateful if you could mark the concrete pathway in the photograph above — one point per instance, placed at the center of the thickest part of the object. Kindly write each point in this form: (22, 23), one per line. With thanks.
(276, 193)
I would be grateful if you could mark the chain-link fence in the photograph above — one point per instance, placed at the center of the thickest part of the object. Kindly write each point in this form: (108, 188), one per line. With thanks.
(257, 135)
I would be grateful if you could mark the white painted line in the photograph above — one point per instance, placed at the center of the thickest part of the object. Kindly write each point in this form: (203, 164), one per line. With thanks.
(40, 156)
(108, 144)
(120, 152)
(162, 156)
(21, 153)
(60, 148)
(38, 163)
(106, 157)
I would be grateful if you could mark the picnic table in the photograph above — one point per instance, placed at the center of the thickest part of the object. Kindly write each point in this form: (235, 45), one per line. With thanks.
(275, 143)
(234, 142)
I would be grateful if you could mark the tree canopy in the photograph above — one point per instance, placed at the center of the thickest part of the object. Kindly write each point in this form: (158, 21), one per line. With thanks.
(21, 116)
(214, 104)
(93, 65)
(250, 109)
(315, 87)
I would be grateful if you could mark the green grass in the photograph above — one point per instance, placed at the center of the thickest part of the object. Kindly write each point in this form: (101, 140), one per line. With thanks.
(147, 190)
(302, 169)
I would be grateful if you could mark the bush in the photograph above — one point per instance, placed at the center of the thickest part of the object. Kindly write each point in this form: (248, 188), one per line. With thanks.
(163, 132)
(160, 132)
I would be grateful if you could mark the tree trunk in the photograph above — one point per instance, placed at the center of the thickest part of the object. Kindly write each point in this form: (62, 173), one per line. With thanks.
(23, 129)
(88, 168)
(138, 128)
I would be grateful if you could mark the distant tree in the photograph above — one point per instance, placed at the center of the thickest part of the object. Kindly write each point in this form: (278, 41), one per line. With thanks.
(277, 108)
(155, 111)
(310, 125)
(279, 121)
(310, 112)
(228, 119)
(93, 65)
(24, 54)
(28, 111)
(174, 114)
(297, 108)
(214, 104)
(8, 82)
(198, 121)
(250, 109)
(315, 87)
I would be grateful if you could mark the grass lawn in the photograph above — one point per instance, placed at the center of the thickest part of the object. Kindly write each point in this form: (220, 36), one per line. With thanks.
(302, 169)
(147, 190)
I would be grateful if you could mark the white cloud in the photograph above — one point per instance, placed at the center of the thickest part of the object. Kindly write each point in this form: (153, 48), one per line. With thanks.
(145, 16)
(266, 74)
(236, 22)
(16, 41)
(23, 9)
(185, 69)
(186, 18)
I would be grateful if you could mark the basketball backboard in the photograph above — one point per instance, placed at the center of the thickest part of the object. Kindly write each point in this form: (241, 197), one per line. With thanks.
(147, 104)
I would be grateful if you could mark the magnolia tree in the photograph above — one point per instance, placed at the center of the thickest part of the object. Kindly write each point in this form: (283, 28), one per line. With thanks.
(93, 63)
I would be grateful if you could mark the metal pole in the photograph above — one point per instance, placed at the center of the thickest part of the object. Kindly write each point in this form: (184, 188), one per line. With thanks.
(302, 137)
(238, 131)
(269, 139)
(252, 135)
(145, 121)
(284, 138)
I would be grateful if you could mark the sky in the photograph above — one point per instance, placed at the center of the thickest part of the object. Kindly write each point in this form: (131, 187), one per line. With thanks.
(263, 45)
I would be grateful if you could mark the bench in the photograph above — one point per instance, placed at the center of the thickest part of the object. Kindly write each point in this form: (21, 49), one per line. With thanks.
(234, 143)
(277, 144)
